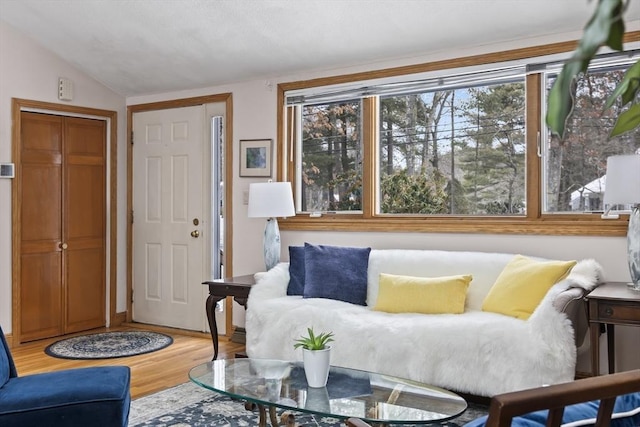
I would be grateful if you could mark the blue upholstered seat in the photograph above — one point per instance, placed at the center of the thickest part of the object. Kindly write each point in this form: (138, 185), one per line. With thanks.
(98, 396)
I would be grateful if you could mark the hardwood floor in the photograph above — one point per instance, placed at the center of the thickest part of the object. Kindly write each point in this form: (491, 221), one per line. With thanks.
(150, 372)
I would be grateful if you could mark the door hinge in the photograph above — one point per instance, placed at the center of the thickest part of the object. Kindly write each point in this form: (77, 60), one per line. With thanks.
(132, 217)
(131, 137)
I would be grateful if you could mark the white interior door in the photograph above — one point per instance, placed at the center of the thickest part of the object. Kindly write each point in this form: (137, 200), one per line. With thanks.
(170, 163)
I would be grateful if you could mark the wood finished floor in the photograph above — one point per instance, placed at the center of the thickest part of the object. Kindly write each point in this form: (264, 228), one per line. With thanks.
(150, 372)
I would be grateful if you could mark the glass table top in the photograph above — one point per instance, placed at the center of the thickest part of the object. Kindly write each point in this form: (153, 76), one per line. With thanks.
(372, 397)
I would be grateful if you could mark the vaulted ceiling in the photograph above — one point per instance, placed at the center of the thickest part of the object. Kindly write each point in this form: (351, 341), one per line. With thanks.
(140, 47)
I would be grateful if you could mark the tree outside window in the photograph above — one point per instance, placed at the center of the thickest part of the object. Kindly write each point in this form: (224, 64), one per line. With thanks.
(458, 152)
(332, 157)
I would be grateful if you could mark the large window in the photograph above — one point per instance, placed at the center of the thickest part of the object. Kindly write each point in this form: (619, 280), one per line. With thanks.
(452, 149)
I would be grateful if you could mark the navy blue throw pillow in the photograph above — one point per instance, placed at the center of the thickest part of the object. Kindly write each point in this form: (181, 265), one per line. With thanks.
(296, 270)
(336, 272)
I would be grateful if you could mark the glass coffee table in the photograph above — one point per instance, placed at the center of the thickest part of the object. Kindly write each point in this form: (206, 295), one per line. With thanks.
(377, 399)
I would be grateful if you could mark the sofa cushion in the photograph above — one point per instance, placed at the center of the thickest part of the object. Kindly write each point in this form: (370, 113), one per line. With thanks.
(626, 413)
(97, 396)
(336, 272)
(522, 284)
(296, 270)
(426, 295)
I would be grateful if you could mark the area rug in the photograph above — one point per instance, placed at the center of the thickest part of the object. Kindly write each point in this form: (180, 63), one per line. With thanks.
(189, 405)
(108, 345)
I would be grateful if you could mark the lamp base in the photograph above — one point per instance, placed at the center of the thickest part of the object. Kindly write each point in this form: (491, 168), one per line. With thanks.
(633, 286)
(271, 243)
(633, 247)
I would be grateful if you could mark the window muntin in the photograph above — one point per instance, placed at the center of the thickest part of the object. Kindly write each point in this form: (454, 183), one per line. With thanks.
(575, 167)
(331, 157)
(458, 151)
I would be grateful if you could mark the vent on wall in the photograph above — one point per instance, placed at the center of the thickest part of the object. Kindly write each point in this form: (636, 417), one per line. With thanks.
(65, 89)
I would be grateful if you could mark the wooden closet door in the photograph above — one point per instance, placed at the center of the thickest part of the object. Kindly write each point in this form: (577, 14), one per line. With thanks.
(84, 223)
(41, 232)
(63, 225)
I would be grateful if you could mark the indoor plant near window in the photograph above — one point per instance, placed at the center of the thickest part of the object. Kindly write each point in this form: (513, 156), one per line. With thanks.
(605, 28)
(316, 355)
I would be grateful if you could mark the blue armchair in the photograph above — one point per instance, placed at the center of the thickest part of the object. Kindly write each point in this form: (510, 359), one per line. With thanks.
(97, 396)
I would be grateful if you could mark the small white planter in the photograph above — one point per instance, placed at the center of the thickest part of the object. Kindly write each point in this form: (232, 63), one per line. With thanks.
(316, 366)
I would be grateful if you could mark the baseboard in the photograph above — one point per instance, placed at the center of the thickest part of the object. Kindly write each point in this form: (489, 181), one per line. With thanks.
(239, 335)
(9, 339)
(169, 330)
(119, 319)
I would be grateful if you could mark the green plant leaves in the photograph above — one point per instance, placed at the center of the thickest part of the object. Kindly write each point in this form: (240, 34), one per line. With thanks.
(312, 341)
(605, 28)
(627, 121)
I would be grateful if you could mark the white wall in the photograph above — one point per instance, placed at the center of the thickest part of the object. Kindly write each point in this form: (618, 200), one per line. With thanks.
(28, 71)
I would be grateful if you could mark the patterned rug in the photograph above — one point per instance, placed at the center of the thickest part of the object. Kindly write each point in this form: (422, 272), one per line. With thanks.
(189, 405)
(108, 345)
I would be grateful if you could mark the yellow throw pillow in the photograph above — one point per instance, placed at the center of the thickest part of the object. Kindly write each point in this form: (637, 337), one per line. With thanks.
(522, 284)
(426, 295)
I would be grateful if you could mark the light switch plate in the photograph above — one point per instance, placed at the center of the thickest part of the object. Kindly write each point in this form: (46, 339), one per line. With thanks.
(65, 89)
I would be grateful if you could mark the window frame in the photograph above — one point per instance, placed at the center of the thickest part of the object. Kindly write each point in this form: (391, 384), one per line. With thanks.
(535, 222)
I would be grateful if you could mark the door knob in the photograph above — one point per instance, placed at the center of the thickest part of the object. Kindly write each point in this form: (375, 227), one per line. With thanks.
(62, 245)
(195, 233)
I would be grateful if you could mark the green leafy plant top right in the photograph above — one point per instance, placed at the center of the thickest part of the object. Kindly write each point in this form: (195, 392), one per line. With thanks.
(605, 28)
(313, 341)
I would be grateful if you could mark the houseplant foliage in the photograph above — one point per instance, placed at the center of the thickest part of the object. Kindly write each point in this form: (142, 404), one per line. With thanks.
(316, 356)
(605, 28)
(314, 342)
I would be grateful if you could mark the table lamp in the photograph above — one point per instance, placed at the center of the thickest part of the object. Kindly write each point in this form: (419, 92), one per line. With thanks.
(622, 187)
(270, 200)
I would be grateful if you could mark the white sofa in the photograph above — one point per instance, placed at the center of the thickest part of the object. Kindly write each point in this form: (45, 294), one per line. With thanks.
(476, 352)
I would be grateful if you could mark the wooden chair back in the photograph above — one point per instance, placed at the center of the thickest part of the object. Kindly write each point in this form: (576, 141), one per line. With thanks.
(504, 407)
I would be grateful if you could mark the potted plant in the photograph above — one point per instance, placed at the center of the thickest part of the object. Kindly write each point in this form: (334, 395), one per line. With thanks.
(316, 355)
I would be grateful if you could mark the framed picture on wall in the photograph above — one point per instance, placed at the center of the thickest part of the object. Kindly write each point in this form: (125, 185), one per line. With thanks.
(255, 157)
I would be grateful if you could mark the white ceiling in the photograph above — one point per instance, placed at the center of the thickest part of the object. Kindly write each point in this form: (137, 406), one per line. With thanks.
(139, 47)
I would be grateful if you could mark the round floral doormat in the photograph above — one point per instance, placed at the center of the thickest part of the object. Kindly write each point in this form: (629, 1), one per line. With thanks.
(108, 345)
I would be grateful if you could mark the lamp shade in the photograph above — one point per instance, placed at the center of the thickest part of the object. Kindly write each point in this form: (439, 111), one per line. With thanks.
(270, 200)
(622, 186)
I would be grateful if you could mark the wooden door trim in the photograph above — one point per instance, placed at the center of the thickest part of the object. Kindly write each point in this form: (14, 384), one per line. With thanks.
(17, 106)
(227, 98)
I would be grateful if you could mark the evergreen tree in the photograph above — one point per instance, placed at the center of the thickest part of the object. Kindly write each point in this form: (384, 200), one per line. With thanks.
(494, 160)
(332, 157)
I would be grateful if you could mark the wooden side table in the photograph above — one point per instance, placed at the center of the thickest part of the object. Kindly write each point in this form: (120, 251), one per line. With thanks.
(237, 287)
(610, 304)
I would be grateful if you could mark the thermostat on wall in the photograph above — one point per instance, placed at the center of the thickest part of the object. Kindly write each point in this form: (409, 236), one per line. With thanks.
(7, 170)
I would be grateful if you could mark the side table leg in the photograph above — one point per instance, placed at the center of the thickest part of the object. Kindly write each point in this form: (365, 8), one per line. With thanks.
(611, 348)
(213, 326)
(594, 329)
